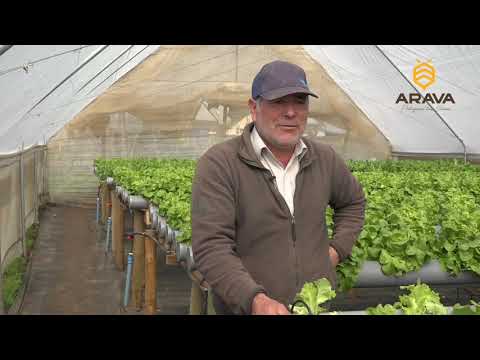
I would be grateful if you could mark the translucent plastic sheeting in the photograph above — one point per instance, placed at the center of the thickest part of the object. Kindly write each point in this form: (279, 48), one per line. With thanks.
(10, 198)
(9, 209)
(45, 86)
(182, 100)
(374, 84)
(34, 71)
(54, 82)
(458, 73)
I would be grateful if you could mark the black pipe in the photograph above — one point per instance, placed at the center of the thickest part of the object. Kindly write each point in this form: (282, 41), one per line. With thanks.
(301, 302)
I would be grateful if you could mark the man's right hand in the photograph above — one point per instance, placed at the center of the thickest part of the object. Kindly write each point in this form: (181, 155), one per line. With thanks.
(263, 305)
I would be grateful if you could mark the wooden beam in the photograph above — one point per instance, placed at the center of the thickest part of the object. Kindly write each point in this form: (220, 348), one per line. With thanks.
(117, 233)
(196, 299)
(150, 275)
(106, 202)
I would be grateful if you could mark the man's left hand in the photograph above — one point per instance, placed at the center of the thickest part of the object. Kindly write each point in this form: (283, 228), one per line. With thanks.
(334, 258)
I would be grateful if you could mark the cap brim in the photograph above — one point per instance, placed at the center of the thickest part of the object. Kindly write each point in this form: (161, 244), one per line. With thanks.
(278, 93)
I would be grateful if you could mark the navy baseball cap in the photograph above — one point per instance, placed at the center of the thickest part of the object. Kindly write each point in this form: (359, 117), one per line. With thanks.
(280, 78)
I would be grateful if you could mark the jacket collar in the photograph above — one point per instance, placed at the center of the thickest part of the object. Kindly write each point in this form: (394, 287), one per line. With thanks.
(247, 153)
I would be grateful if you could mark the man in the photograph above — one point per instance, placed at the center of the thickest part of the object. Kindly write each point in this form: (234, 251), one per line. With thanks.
(259, 200)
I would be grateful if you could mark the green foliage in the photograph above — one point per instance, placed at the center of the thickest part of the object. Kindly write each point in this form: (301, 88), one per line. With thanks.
(14, 274)
(407, 165)
(13, 278)
(167, 183)
(459, 246)
(31, 235)
(313, 294)
(416, 210)
(473, 309)
(382, 310)
(421, 300)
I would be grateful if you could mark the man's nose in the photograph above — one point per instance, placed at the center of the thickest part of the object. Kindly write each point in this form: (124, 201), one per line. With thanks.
(290, 111)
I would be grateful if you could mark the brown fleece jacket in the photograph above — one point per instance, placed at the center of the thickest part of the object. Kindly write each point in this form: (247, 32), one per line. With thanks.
(245, 240)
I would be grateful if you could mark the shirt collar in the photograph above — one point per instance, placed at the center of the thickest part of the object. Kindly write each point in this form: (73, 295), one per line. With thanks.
(258, 145)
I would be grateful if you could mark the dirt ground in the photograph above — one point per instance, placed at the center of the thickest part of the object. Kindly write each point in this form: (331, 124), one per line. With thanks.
(71, 274)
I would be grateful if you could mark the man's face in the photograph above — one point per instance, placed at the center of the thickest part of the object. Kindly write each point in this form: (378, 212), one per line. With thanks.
(281, 122)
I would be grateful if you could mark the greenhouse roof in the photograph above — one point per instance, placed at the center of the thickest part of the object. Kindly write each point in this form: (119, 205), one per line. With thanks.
(43, 87)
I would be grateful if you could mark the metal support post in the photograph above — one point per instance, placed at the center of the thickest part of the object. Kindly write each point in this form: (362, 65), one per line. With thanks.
(128, 281)
(107, 240)
(139, 254)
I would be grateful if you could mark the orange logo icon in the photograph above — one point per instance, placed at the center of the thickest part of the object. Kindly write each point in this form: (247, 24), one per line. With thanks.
(424, 74)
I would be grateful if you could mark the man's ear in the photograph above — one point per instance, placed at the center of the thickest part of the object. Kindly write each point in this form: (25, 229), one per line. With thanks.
(252, 105)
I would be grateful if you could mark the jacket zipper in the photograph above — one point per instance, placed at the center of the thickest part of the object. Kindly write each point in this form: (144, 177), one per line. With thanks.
(292, 216)
(294, 235)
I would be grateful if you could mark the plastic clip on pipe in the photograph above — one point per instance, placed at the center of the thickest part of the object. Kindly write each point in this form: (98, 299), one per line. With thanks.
(128, 282)
(107, 240)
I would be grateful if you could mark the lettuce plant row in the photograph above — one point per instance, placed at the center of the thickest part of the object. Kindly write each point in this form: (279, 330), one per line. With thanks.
(165, 183)
(416, 211)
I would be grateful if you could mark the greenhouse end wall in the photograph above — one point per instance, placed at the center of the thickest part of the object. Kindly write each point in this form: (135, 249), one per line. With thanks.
(183, 99)
(71, 158)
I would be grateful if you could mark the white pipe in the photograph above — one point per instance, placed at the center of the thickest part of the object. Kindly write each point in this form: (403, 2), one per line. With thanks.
(371, 275)
(137, 202)
(363, 312)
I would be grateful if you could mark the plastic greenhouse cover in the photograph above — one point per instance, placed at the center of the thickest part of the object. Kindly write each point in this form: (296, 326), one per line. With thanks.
(43, 87)
(372, 76)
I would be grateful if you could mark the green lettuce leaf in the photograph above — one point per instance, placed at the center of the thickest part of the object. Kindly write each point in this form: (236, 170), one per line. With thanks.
(314, 294)
(382, 310)
(421, 300)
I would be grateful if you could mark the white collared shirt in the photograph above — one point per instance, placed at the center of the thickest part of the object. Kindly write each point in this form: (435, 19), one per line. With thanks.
(284, 177)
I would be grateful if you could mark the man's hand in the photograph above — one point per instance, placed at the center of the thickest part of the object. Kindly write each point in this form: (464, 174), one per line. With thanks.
(334, 258)
(263, 305)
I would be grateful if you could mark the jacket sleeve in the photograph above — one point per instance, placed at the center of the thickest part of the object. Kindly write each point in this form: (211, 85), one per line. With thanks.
(213, 235)
(348, 203)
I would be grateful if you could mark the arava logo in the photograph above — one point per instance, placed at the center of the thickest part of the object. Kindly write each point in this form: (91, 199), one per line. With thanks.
(424, 74)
